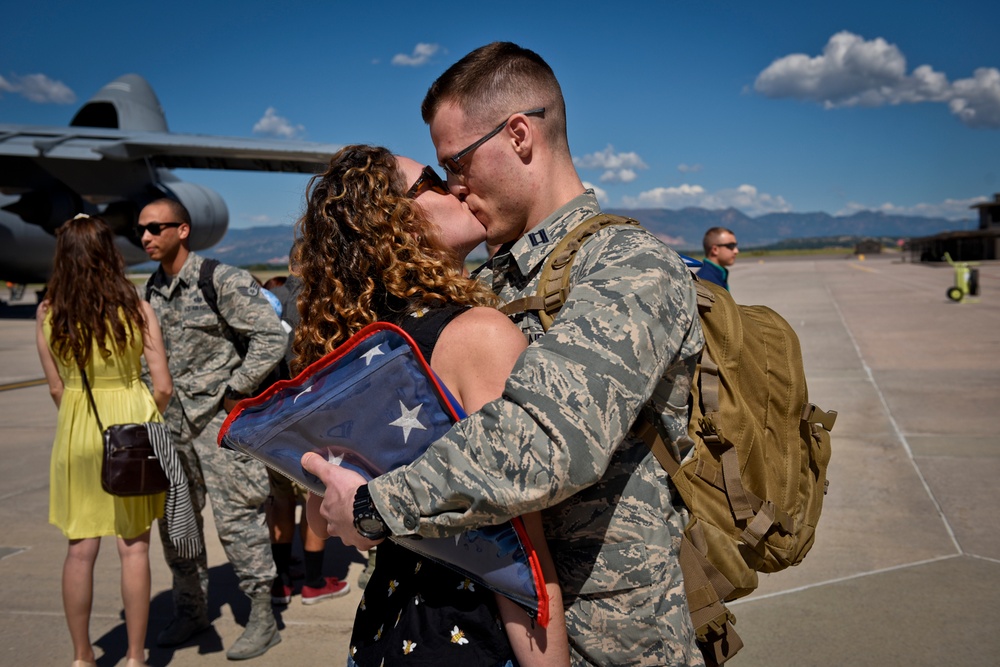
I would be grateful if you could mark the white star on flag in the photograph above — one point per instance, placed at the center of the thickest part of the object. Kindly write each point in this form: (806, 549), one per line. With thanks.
(372, 353)
(408, 421)
(302, 393)
(335, 460)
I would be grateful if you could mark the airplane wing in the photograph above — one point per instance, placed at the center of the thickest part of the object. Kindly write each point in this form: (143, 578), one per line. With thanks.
(161, 149)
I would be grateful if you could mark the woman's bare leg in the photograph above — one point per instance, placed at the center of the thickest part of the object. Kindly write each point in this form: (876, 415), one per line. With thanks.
(134, 554)
(78, 593)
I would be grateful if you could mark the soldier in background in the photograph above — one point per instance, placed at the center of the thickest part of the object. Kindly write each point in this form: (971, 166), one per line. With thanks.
(210, 376)
(557, 440)
(720, 253)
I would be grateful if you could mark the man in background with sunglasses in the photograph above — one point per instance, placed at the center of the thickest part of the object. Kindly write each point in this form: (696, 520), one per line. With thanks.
(558, 440)
(720, 253)
(212, 370)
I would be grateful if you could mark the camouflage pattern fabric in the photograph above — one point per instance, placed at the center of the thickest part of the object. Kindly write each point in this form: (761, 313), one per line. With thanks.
(203, 361)
(557, 441)
(202, 358)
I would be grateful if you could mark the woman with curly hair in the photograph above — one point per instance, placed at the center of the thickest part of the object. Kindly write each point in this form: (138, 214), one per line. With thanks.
(93, 321)
(382, 239)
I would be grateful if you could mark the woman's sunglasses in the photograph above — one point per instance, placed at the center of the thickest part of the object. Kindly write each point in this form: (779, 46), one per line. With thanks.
(428, 180)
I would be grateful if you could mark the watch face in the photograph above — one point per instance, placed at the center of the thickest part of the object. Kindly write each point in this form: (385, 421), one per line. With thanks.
(370, 527)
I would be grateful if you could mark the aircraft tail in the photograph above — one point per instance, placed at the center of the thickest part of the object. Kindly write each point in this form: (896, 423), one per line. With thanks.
(127, 103)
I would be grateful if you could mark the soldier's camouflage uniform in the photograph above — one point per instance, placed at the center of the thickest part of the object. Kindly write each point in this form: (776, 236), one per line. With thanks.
(557, 441)
(203, 361)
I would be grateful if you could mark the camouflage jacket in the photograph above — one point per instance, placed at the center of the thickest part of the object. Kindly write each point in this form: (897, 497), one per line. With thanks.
(200, 353)
(557, 439)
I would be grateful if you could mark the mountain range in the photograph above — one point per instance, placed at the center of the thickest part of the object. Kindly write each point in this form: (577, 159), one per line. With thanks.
(681, 229)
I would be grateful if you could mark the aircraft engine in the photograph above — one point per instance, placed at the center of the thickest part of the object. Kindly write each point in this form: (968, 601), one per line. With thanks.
(209, 215)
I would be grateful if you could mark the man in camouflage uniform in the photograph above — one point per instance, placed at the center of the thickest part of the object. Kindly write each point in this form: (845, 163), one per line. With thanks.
(557, 440)
(209, 378)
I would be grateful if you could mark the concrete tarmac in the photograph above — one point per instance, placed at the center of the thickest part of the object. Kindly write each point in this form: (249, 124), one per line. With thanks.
(906, 564)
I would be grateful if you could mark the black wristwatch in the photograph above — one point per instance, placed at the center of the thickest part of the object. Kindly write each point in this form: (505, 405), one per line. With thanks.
(366, 518)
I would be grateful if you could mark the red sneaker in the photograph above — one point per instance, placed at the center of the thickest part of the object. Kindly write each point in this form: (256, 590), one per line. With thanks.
(281, 593)
(333, 588)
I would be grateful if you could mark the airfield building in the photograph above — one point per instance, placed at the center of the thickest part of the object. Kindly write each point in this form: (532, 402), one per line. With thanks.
(964, 246)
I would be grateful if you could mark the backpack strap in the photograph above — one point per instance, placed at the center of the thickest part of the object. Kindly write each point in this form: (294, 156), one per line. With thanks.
(553, 286)
(206, 283)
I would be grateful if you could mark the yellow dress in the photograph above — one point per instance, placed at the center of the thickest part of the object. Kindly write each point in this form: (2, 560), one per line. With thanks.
(77, 503)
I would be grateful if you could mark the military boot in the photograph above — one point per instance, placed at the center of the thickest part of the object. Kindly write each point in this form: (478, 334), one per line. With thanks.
(261, 632)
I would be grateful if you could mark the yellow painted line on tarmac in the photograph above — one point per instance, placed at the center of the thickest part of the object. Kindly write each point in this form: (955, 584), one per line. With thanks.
(859, 267)
(22, 385)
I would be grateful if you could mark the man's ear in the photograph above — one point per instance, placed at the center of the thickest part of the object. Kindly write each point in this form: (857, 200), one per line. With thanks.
(522, 136)
(184, 231)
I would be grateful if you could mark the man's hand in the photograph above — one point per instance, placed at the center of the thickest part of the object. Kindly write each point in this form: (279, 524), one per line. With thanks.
(334, 513)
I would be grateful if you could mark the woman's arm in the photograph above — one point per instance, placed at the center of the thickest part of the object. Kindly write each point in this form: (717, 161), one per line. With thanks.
(45, 355)
(156, 359)
(473, 357)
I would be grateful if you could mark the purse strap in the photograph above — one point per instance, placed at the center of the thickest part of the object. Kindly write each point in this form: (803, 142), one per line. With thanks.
(90, 395)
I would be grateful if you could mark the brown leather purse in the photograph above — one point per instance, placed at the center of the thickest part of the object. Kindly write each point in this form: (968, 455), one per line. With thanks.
(130, 466)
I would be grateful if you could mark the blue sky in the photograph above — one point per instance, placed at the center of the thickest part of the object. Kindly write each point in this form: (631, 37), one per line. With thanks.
(764, 106)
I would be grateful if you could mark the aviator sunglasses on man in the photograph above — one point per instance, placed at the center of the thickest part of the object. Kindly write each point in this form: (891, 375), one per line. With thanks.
(731, 246)
(154, 228)
(453, 164)
(428, 180)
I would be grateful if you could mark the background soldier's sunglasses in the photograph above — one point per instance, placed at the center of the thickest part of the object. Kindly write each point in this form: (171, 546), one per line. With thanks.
(731, 246)
(428, 180)
(155, 228)
(453, 164)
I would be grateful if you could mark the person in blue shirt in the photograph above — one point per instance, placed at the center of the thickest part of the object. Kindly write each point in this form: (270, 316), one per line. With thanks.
(721, 250)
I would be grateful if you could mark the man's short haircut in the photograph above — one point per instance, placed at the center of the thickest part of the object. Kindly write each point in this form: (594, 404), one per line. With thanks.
(177, 209)
(497, 80)
(712, 237)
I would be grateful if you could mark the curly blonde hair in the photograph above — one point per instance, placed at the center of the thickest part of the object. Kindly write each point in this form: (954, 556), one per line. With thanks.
(366, 253)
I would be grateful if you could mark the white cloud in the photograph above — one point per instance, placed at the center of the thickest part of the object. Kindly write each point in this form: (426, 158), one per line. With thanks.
(38, 88)
(689, 168)
(977, 100)
(853, 71)
(950, 209)
(618, 167)
(619, 176)
(745, 198)
(277, 126)
(609, 159)
(422, 53)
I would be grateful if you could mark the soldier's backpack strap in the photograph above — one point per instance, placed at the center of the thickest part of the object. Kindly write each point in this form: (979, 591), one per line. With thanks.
(206, 283)
(553, 286)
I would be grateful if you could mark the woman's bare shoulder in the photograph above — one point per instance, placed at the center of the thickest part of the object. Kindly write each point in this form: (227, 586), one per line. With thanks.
(487, 325)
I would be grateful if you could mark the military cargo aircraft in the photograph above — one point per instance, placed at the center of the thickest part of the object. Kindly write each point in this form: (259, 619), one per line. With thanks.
(116, 156)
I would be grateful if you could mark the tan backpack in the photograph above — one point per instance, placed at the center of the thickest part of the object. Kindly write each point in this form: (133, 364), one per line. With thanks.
(753, 473)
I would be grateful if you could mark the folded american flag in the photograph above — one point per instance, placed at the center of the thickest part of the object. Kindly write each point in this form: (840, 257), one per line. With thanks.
(372, 405)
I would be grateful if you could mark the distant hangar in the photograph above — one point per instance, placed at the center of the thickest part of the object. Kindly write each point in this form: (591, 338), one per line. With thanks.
(965, 246)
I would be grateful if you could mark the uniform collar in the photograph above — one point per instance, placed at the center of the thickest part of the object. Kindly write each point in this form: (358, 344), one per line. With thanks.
(525, 255)
(188, 274)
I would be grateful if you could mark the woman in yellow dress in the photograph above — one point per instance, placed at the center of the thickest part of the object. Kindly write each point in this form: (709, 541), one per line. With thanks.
(92, 318)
